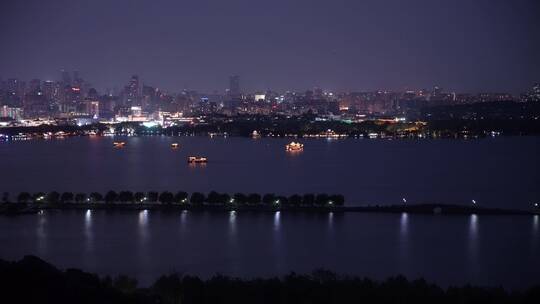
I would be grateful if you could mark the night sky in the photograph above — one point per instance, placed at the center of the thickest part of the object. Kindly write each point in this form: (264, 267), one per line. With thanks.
(463, 45)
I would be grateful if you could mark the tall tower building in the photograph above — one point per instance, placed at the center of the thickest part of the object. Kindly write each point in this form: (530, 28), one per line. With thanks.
(234, 87)
(12, 85)
(48, 89)
(132, 92)
(66, 78)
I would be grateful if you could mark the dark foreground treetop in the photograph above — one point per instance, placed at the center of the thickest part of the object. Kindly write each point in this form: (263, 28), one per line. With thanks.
(32, 280)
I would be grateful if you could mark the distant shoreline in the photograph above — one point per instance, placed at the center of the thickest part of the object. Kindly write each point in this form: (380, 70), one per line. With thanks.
(426, 209)
(462, 124)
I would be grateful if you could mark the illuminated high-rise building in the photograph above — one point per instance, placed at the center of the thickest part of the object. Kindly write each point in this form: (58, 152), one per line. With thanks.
(132, 92)
(90, 107)
(48, 89)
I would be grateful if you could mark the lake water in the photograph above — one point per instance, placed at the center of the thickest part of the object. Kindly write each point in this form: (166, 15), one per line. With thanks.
(449, 250)
(496, 172)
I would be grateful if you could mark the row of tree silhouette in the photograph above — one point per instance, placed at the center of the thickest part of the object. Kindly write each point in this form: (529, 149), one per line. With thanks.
(32, 280)
(166, 197)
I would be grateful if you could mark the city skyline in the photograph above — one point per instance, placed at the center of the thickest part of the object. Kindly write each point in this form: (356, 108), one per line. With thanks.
(256, 151)
(483, 46)
(230, 82)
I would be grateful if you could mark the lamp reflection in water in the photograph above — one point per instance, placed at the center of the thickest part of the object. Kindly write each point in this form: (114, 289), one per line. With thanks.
(330, 219)
(232, 223)
(143, 224)
(404, 243)
(404, 225)
(535, 232)
(232, 241)
(277, 220)
(473, 244)
(88, 220)
(89, 255)
(88, 234)
(143, 247)
(473, 226)
(276, 247)
(183, 219)
(41, 233)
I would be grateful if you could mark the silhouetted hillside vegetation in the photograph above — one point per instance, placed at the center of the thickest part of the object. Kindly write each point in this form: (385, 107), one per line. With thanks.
(32, 280)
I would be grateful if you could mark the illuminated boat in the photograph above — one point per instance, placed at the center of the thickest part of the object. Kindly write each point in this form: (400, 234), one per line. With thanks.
(197, 159)
(119, 144)
(175, 145)
(294, 146)
(255, 134)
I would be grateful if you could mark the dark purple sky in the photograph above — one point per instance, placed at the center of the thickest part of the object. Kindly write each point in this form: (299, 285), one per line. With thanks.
(464, 45)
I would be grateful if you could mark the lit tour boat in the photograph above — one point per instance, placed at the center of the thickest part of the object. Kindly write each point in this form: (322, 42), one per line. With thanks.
(175, 145)
(294, 146)
(119, 144)
(197, 159)
(255, 134)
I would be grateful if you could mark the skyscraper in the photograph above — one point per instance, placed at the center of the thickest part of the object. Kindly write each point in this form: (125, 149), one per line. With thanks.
(66, 78)
(12, 85)
(48, 89)
(234, 87)
(132, 92)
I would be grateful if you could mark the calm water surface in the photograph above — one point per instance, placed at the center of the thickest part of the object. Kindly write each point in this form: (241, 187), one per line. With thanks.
(486, 250)
(499, 172)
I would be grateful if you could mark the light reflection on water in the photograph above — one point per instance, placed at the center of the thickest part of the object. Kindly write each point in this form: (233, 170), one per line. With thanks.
(183, 219)
(149, 163)
(144, 238)
(277, 240)
(473, 245)
(404, 242)
(147, 243)
(88, 233)
(473, 227)
(232, 223)
(143, 225)
(404, 226)
(41, 233)
(88, 220)
(277, 221)
(89, 250)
